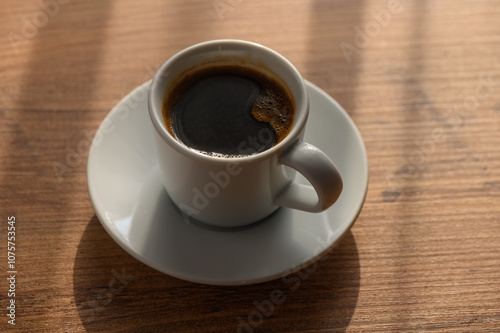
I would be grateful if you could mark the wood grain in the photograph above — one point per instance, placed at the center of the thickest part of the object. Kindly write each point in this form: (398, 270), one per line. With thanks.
(420, 79)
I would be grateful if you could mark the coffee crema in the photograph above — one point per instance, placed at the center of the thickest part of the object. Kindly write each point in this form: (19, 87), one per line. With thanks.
(228, 111)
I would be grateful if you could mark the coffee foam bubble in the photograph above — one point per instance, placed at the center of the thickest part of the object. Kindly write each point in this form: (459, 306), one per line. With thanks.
(275, 109)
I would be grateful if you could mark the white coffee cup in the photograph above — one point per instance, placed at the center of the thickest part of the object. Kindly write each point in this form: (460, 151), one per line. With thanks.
(236, 191)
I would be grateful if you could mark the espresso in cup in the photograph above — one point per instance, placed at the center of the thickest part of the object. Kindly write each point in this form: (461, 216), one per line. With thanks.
(228, 110)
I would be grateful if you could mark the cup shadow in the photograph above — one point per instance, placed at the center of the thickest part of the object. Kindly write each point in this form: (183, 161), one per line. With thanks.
(115, 292)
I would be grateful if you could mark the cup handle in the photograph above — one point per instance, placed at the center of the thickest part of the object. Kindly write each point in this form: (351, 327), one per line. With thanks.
(319, 170)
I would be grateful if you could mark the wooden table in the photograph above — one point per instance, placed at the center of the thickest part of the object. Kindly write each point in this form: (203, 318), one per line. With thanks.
(421, 80)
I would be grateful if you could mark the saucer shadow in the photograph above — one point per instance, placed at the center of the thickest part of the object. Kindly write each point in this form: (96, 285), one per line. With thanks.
(115, 292)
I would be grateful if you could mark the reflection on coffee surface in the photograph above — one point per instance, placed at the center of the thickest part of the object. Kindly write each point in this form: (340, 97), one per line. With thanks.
(228, 111)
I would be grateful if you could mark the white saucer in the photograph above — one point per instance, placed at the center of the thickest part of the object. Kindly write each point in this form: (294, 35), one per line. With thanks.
(128, 197)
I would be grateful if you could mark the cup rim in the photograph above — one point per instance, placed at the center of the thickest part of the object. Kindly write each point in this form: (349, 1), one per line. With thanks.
(301, 103)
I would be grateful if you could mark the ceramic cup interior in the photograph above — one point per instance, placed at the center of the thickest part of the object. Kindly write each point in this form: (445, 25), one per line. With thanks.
(228, 52)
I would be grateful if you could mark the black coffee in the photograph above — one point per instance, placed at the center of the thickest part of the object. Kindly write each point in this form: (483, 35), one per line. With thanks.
(229, 111)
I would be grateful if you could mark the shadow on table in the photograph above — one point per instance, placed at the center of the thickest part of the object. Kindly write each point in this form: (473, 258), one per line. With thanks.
(336, 56)
(115, 292)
